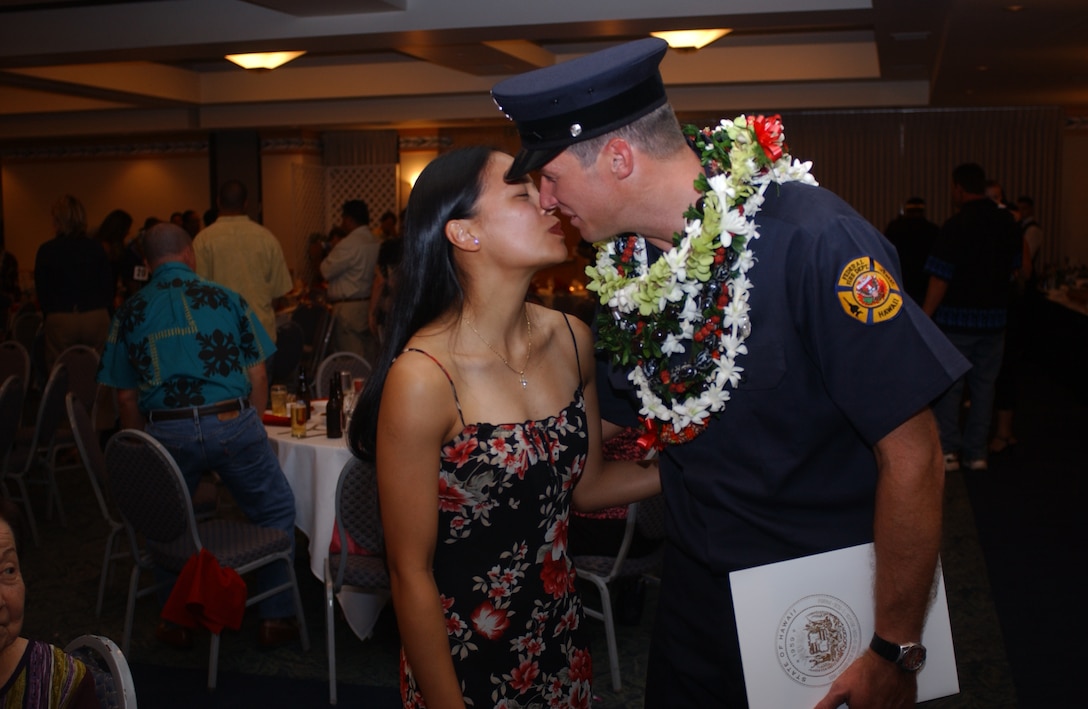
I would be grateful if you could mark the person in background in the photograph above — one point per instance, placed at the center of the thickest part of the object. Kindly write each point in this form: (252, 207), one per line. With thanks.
(190, 222)
(112, 234)
(381, 292)
(971, 270)
(243, 255)
(791, 455)
(74, 283)
(33, 673)
(387, 226)
(1018, 329)
(912, 235)
(10, 290)
(187, 358)
(475, 514)
(349, 271)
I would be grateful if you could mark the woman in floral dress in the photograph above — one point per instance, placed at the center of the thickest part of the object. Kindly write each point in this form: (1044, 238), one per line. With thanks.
(482, 417)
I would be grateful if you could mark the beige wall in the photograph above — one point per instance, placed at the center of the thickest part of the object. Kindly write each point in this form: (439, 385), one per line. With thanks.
(142, 186)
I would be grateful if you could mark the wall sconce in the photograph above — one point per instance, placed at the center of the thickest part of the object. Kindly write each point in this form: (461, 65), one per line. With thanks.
(263, 61)
(690, 40)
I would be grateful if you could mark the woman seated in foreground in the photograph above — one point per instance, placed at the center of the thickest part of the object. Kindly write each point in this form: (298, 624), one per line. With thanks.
(482, 416)
(33, 674)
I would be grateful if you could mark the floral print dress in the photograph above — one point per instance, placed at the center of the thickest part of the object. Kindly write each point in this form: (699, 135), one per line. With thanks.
(506, 582)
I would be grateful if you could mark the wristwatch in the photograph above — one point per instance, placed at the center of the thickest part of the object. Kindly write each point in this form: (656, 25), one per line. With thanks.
(910, 657)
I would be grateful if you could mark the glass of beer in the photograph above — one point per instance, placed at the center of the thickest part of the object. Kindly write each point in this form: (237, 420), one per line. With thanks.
(297, 412)
(279, 400)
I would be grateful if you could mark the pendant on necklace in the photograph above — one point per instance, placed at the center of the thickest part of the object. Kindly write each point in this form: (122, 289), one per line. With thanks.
(524, 384)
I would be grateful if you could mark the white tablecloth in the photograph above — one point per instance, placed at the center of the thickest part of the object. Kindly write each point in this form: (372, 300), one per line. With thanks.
(312, 466)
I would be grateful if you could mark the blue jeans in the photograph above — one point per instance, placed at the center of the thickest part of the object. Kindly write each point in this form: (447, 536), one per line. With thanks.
(238, 450)
(984, 351)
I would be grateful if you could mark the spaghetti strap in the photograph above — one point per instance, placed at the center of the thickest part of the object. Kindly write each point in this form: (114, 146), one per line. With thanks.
(577, 358)
(449, 378)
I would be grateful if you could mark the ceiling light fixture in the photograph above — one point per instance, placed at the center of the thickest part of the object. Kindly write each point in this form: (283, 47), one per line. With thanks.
(263, 61)
(691, 39)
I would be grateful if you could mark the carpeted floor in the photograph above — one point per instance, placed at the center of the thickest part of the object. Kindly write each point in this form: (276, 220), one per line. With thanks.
(1013, 550)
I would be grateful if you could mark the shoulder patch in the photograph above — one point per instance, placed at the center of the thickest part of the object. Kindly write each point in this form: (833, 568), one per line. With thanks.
(868, 292)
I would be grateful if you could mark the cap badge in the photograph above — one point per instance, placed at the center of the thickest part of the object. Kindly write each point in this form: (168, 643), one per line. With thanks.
(868, 292)
(575, 130)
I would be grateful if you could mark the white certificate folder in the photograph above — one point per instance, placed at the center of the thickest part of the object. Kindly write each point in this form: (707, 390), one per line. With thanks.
(802, 622)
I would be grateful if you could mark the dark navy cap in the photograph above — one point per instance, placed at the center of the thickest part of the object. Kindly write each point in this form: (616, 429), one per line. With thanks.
(583, 98)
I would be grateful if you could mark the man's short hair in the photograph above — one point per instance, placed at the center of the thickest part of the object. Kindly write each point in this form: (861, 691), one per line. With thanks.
(657, 134)
(971, 177)
(357, 211)
(164, 242)
(233, 195)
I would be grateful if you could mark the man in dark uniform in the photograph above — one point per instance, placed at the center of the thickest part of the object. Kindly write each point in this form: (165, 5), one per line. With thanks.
(826, 442)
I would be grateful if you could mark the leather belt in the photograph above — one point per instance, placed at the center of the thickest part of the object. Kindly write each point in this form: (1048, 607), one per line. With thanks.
(334, 301)
(222, 407)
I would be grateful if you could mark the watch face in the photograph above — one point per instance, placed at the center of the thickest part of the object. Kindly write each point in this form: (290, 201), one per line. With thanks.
(913, 659)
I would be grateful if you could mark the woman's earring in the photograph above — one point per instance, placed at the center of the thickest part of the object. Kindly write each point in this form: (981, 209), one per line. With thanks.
(475, 242)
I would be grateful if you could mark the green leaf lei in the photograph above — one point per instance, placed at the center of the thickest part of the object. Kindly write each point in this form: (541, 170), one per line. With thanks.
(693, 300)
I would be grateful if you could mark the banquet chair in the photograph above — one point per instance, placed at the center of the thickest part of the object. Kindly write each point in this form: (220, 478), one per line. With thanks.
(11, 405)
(81, 361)
(648, 518)
(14, 359)
(358, 519)
(338, 362)
(26, 455)
(205, 500)
(112, 677)
(150, 491)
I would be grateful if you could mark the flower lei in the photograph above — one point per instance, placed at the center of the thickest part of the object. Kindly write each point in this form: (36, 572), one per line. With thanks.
(694, 299)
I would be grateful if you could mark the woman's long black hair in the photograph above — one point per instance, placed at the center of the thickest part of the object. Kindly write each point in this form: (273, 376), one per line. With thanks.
(427, 283)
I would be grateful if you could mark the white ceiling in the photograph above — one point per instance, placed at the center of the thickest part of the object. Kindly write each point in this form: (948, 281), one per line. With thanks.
(79, 68)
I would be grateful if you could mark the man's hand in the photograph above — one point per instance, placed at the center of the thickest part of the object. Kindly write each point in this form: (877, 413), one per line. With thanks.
(872, 682)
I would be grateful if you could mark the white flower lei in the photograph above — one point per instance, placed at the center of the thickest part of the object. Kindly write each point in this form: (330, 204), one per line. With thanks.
(694, 299)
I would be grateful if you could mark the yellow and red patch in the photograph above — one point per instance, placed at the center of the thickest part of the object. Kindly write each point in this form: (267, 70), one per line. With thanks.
(868, 292)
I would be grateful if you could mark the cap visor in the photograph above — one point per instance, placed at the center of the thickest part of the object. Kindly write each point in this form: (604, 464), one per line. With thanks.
(527, 161)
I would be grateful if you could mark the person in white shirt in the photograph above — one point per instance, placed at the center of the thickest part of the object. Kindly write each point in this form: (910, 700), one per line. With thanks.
(349, 271)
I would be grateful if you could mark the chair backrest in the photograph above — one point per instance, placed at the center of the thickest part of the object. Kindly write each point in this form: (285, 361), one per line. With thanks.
(112, 676)
(146, 485)
(651, 518)
(25, 326)
(338, 362)
(14, 359)
(50, 411)
(90, 452)
(357, 511)
(82, 364)
(11, 407)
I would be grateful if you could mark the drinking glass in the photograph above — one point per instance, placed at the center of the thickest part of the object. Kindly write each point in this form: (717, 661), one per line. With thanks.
(297, 412)
(279, 400)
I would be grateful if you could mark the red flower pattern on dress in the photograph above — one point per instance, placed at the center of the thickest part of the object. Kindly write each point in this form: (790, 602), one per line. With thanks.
(513, 477)
(489, 621)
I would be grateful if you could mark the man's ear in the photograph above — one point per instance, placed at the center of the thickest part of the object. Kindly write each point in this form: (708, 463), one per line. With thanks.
(620, 158)
(458, 234)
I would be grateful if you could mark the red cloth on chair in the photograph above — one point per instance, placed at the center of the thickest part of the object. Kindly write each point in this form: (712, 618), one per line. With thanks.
(354, 547)
(206, 594)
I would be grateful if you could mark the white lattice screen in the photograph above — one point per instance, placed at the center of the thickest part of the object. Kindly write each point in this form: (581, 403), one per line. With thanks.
(374, 184)
(319, 192)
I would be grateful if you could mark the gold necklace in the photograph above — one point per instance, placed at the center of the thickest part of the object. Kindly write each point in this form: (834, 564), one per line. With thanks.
(528, 353)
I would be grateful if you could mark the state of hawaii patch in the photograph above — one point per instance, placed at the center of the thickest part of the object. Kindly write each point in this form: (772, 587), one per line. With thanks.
(868, 292)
